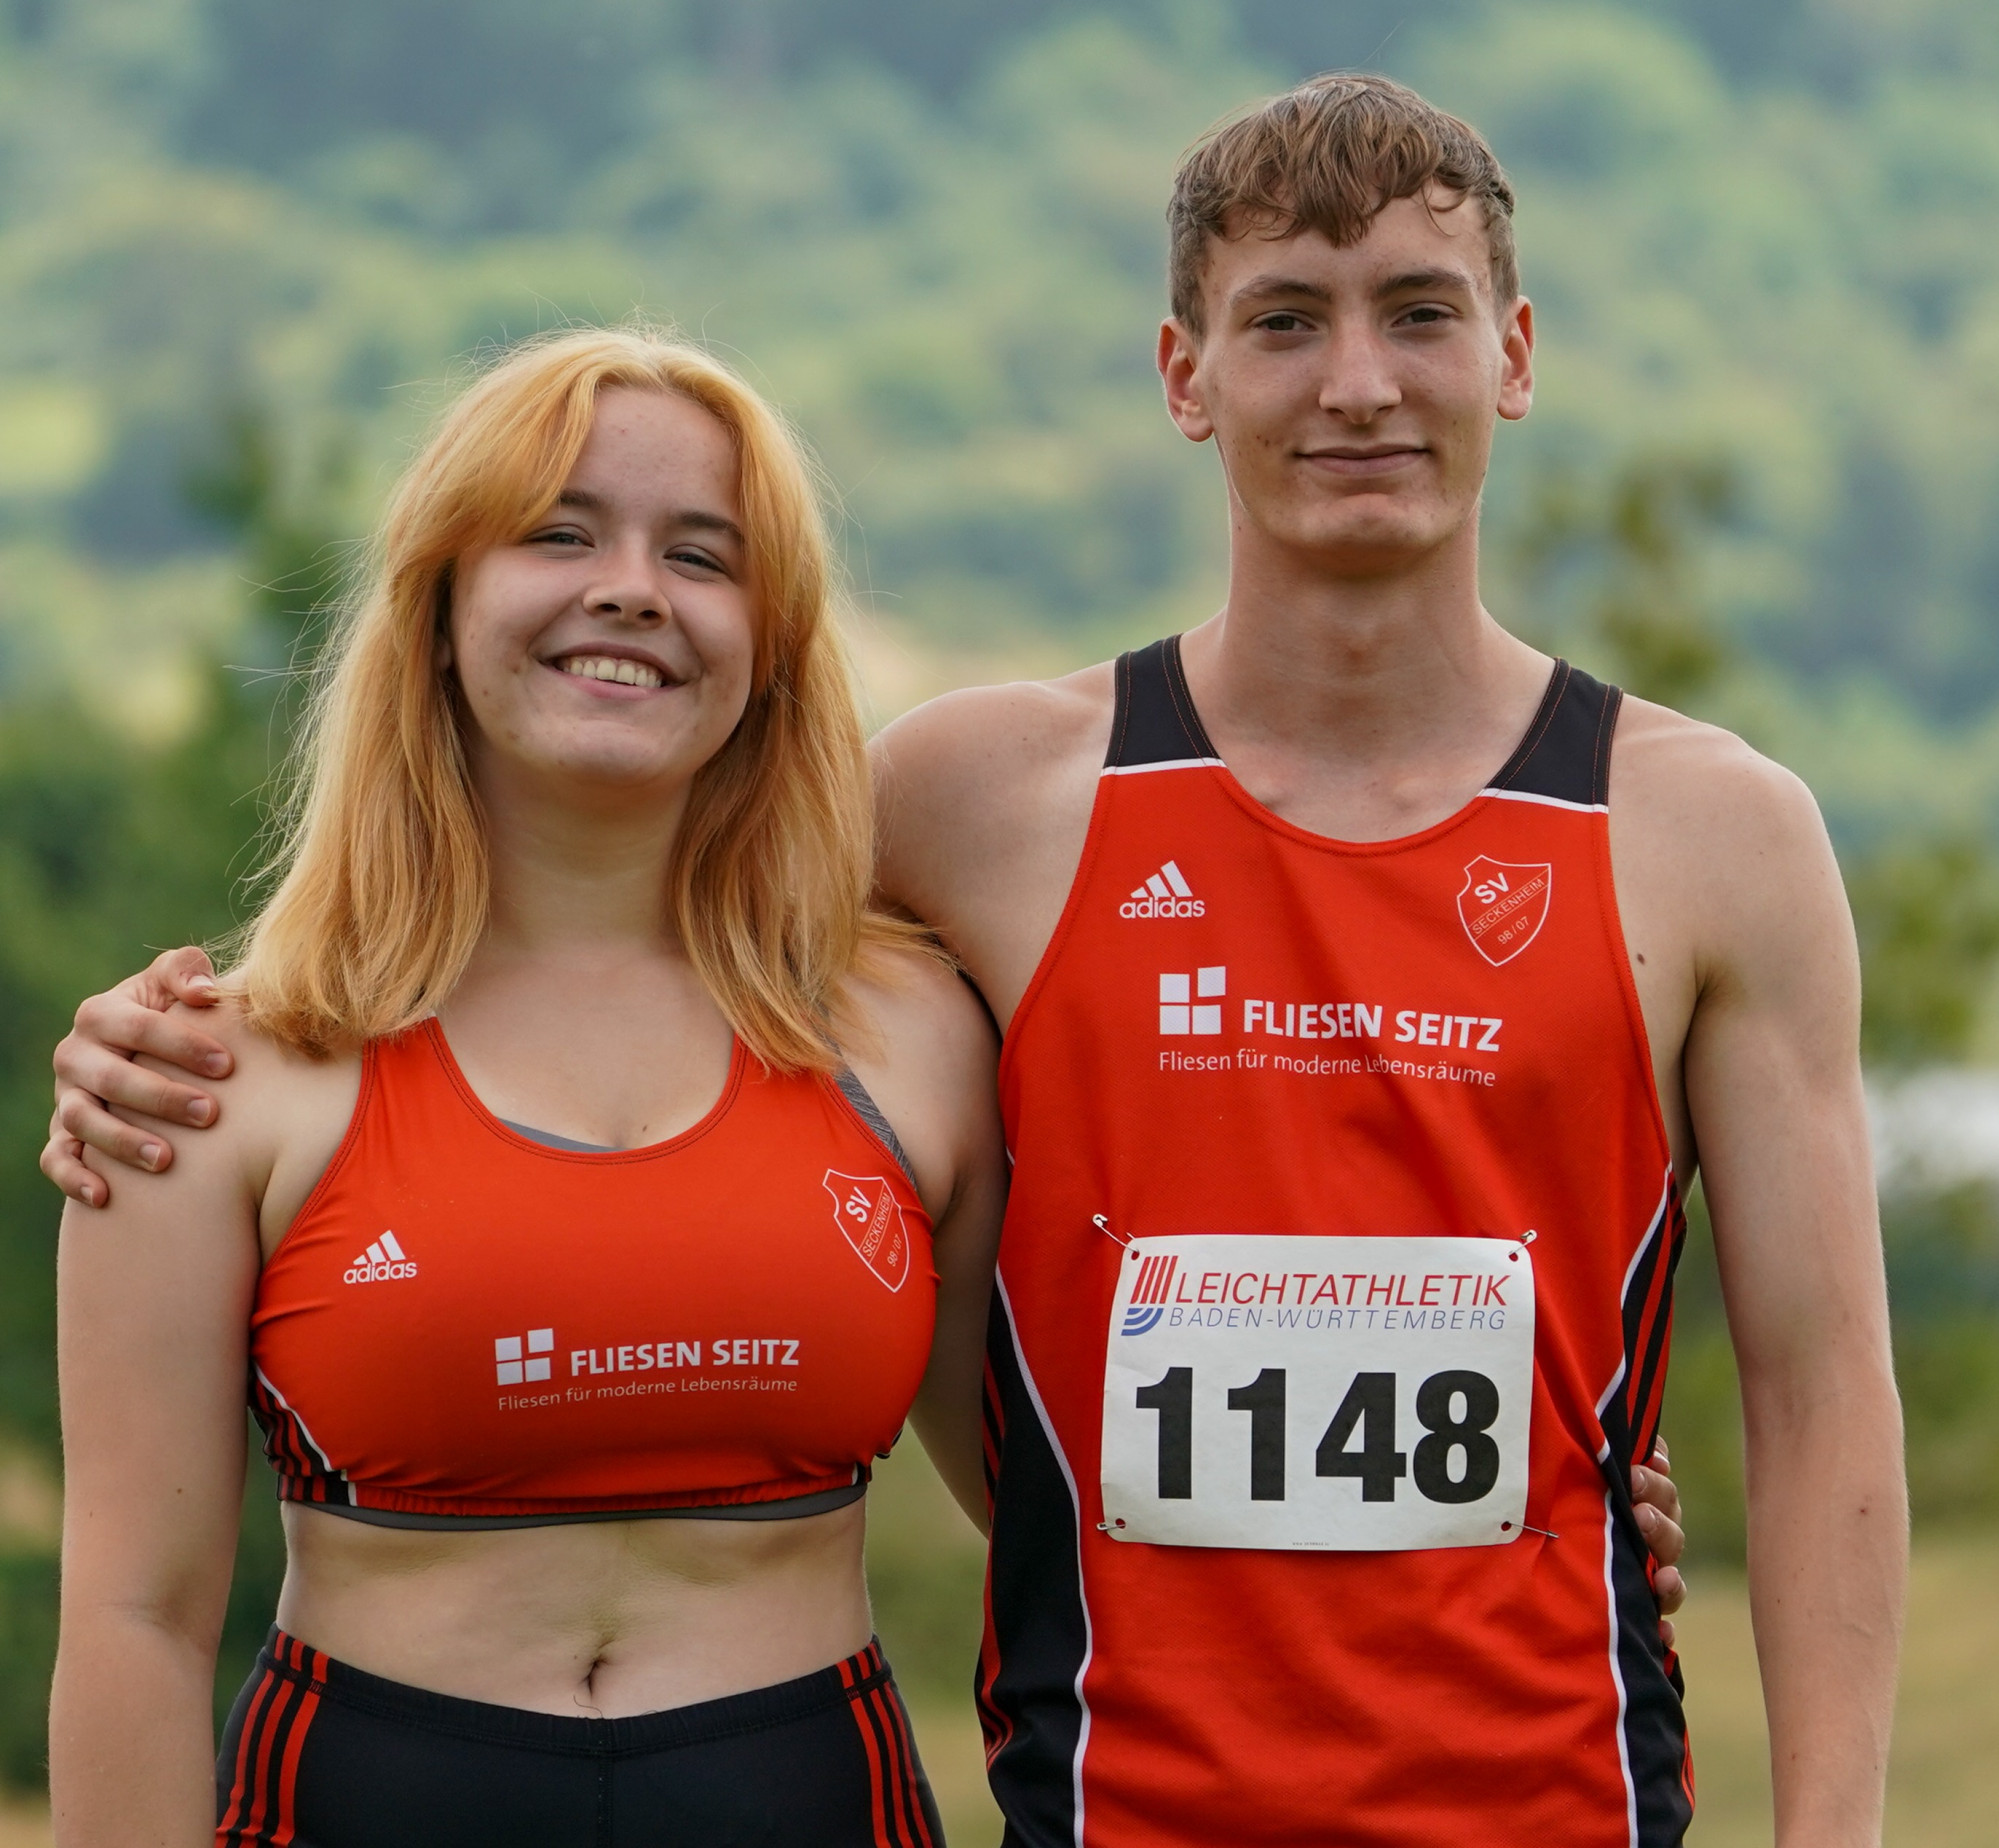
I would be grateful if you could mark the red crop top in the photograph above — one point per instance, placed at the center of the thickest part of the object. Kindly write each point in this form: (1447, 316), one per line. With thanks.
(465, 1327)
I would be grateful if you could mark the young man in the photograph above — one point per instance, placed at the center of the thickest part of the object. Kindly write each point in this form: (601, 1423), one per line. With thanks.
(1359, 1046)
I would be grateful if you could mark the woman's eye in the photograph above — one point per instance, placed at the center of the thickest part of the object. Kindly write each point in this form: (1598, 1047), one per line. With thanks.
(700, 560)
(556, 536)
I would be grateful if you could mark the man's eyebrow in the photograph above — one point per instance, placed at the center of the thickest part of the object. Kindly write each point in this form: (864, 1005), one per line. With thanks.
(1265, 287)
(1414, 282)
(699, 518)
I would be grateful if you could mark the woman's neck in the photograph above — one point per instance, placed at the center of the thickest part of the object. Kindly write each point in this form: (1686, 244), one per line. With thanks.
(570, 875)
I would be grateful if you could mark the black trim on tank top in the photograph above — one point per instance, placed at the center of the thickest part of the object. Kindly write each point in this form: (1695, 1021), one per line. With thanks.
(1155, 721)
(1565, 756)
(1028, 1694)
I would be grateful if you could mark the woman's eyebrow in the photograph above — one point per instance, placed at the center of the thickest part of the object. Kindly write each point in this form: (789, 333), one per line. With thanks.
(699, 518)
(706, 522)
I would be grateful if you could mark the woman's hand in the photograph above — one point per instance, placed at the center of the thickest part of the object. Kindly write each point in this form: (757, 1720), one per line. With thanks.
(95, 1067)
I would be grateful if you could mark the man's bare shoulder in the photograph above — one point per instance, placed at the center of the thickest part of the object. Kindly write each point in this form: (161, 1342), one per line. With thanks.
(987, 737)
(982, 803)
(1700, 786)
(1727, 851)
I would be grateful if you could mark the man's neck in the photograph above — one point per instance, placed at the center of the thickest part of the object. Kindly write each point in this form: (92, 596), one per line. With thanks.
(1361, 706)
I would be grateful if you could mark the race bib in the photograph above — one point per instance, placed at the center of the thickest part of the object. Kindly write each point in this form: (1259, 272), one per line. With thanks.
(1355, 1394)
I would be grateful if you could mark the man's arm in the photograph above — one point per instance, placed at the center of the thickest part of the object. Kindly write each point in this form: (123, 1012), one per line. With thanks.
(1774, 1091)
(153, 1311)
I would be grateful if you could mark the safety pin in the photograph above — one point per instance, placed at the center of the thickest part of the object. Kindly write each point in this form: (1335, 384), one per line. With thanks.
(1103, 1225)
(1527, 1527)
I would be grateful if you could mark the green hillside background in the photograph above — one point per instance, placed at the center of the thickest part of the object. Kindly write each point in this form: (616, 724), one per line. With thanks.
(245, 245)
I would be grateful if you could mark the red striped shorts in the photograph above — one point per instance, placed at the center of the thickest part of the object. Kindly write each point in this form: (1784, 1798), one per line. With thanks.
(321, 1755)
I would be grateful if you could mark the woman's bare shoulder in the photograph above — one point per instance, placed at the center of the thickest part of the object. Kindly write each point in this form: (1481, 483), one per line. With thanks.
(281, 1113)
(921, 1041)
(263, 1063)
(916, 1007)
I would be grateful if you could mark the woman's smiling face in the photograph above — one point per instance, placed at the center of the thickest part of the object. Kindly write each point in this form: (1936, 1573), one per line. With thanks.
(611, 648)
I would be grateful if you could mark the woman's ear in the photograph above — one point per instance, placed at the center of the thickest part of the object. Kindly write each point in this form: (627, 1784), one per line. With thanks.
(441, 617)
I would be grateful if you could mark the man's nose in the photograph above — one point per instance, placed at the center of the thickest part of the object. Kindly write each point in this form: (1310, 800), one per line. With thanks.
(1359, 381)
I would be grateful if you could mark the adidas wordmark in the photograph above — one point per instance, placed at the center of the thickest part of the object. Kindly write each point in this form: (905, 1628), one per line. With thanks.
(1165, 894)
(383, 1262)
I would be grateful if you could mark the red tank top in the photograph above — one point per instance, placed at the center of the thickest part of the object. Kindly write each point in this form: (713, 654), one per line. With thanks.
(466, 1327)
(1334, 1305)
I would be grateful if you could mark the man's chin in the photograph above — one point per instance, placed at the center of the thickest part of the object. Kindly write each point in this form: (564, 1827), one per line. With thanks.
(1366, 548)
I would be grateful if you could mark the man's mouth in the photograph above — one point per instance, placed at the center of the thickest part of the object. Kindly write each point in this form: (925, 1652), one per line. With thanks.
(1356, 461)
(622, 669)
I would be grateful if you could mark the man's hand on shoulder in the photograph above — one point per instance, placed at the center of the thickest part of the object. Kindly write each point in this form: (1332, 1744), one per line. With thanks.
(96, 1066)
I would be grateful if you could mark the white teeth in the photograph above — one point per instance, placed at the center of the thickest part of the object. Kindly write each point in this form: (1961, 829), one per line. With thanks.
(624, 672)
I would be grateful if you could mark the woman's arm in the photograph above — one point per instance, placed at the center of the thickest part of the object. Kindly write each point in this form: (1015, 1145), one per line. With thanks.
(933, 1071)
(153, 1307)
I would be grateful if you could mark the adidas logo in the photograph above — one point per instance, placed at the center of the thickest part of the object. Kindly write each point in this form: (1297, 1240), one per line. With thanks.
(511, 1367)
(1180, 998)
(383, 1262)
(1166, 894)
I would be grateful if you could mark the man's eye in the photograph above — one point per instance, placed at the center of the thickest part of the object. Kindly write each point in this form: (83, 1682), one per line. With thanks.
(1282, 323)
(1426, 317)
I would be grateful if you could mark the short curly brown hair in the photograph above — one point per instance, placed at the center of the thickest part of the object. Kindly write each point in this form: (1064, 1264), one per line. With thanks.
(1327, 157)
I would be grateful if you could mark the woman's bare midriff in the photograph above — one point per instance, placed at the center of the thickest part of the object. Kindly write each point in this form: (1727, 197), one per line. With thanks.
(598, 1619)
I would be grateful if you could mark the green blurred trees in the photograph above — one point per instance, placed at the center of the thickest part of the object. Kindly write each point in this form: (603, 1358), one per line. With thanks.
(1928, 916)
(1637, 543)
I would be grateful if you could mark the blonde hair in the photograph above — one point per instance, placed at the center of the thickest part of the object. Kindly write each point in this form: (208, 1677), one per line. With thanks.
(381, 870)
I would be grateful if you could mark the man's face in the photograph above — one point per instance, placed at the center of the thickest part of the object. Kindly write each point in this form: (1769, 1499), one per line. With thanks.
(1352, 392)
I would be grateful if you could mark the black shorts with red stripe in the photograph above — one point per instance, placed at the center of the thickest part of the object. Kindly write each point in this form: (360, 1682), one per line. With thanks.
(321, 1755)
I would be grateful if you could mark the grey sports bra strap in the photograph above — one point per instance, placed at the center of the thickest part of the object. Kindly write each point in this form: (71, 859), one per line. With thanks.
(550, 1140)
(870, 1113)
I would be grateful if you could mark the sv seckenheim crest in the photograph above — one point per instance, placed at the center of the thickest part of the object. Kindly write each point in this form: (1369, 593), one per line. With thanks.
(865, 1209)
(1504, 906)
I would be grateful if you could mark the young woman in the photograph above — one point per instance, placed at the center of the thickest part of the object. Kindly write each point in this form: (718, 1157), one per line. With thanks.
(596, 1165)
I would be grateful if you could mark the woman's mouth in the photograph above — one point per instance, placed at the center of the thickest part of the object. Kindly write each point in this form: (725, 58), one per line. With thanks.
(621, 669)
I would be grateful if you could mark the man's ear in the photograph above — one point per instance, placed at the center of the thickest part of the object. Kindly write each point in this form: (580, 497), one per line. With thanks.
(1179, 372)
(1516, 379)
